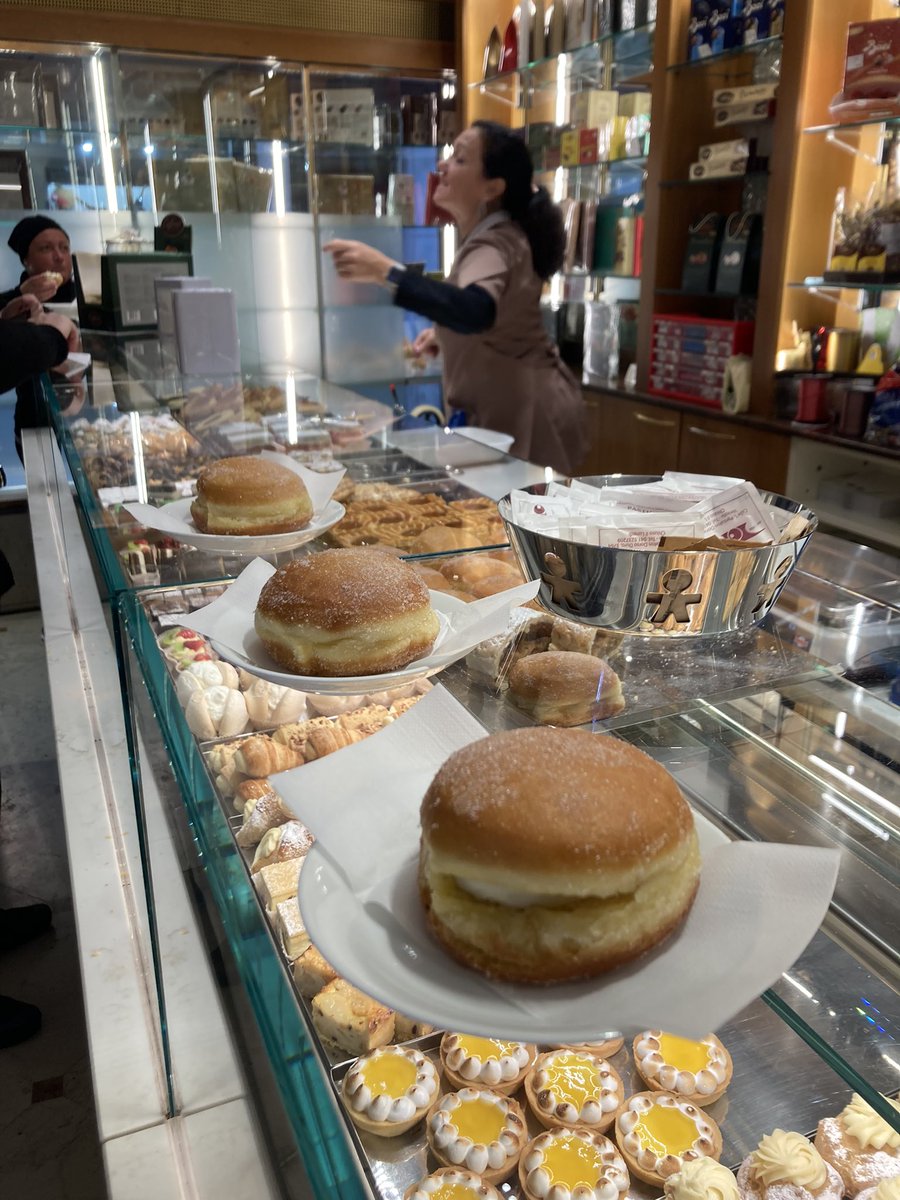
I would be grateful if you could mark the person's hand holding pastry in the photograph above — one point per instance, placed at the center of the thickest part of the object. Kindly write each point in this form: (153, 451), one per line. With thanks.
(43, 287)
(358, 262)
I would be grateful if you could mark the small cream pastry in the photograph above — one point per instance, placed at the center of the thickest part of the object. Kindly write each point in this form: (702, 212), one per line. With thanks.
(658, 1131)
(290, 840)
(390, 1090)
(202, 675)
(278, 882)
(702, 1179)
(575, 1089)
(606, 1049)
(452, 1183)
(699, 1071)
(567, 1163)
(261, 814)
(216, 712)
(331, 706)
(470, 1061)
(888, 1189)
(860, 1145)
(787, 1166)
(479, 1130)
(270, 704)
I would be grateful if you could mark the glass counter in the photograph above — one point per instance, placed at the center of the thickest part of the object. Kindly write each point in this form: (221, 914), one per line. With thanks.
(762, 730)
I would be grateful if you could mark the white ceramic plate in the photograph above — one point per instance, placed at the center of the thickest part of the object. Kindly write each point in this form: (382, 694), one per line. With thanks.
(405, 968)
(271, 543)
(255, 660)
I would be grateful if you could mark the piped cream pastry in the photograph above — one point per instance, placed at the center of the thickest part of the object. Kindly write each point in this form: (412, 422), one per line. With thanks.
(566, 1163)
(574, 1088)
(787, 1166)
(699, 1071)
(860, 1145)
(290, 840)
(390, 1090)
(470, 1061)
(702, 1179)
(658, 1131)
(479, 1130)
(888, 1189)
(452, 1183)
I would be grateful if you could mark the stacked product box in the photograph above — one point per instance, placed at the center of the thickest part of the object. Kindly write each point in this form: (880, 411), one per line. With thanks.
(739, 105)
(689, 356)
(715, 26)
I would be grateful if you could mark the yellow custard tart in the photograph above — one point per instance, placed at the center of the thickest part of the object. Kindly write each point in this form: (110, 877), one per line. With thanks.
(658, 1131)
(480, 1062)
(452, 1183)
(574, 1088)
(388, 1091)
(699, 1071)
(572, 1162)
(606, 1048)
(478, 1129)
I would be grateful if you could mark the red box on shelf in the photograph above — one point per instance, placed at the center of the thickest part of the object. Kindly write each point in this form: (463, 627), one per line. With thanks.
(688, 355)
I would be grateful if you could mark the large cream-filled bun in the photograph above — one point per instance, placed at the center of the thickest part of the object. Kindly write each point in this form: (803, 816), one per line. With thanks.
(554, 854)
(250, 496)
(346, 612)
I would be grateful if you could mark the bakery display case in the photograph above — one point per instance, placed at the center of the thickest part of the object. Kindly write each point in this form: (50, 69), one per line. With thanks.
(766, 733)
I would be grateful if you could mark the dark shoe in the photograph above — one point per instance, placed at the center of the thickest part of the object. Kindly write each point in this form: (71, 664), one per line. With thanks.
(18, 1021)
(21, 925)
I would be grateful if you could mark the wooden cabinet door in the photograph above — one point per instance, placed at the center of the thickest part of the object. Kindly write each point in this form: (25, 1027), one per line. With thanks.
(630, 437)
(723, 447)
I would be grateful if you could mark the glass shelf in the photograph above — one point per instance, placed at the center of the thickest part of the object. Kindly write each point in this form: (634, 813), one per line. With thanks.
(891, 120)
(818, 283)
(679, 183)
(613, 165)
(623, 38)
(734, 52)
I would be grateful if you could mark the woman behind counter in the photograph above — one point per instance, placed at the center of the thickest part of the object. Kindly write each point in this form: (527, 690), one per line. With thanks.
(500, 365)
(44, 251)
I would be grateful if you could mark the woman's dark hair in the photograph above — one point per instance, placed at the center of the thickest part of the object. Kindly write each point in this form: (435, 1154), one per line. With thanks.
(505, 156)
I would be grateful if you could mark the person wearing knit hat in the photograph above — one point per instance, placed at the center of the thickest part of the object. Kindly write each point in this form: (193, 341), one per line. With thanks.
(43, 247)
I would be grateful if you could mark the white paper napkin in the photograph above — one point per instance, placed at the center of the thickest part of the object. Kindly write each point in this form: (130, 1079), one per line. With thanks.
(229, 619)
(320, 485)
(757, 908)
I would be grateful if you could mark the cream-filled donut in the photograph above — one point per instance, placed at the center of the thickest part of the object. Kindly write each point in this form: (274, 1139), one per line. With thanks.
(860, 1145)
(702, 1179)
(470, 1061)
(480, 1130)
(563, 1164)
(345, 612)
(787, 1166)
(250, 496)
(574, 1088)
(388, 1091)
(452, 1183)
(554, 854)
(658, 1131)
(699, 1071)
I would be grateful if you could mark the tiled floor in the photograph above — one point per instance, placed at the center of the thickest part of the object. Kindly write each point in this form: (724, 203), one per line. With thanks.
(48, 1137)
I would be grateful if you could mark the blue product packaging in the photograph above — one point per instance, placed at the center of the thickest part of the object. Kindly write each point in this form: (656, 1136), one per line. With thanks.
(723, 28)
(698, 29)
(776, 17)
(754, 21)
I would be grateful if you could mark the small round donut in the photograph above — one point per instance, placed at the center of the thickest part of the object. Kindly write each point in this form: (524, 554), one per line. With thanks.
(250, 496)
(562, 687)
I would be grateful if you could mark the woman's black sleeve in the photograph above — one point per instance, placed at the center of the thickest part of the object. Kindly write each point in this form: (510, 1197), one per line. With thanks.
(464, 310)
(27, 350)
